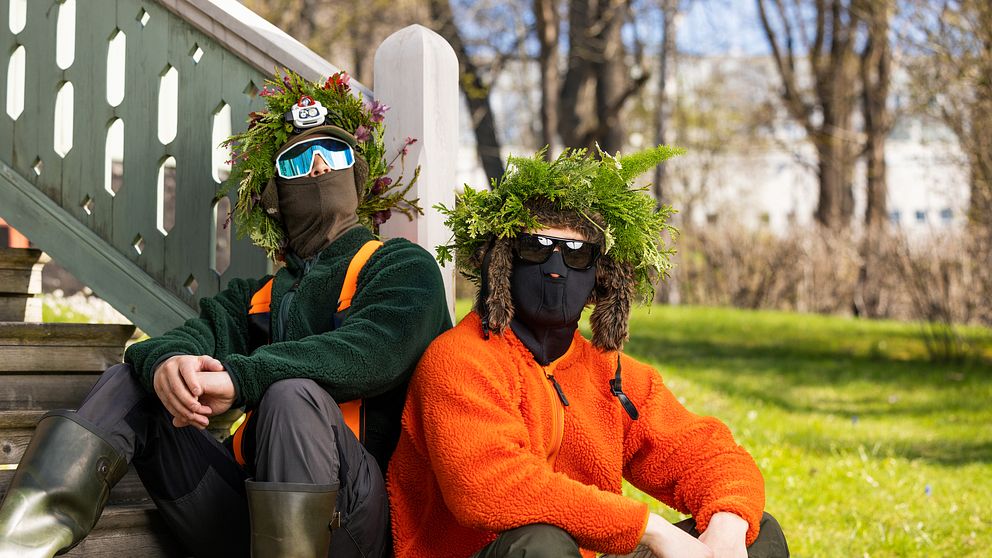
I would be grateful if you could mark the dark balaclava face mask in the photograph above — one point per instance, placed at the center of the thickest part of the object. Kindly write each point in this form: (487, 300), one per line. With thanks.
(316, 211)
(547, 309)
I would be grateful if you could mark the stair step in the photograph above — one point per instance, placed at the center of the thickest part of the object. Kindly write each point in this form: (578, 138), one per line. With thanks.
(61, 347)
(129, 530)
(20, 270)
(17, 427)
(20, 280)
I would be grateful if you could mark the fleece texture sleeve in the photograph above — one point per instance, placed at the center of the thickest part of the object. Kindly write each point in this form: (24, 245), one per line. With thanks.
(220, 330)
(689, 462)
(398, 308)
(468, 405)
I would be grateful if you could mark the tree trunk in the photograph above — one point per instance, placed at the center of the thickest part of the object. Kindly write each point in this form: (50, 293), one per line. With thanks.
(476, 92)
(547, 19)
(663, 111)
(876, 63)
(573, 111)
(835, 171)
(669, 293)
(827, 42)
(610, 70)
(980, 152)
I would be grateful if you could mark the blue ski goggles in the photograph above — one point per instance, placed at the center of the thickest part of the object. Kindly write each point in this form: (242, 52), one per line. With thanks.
(297, 161)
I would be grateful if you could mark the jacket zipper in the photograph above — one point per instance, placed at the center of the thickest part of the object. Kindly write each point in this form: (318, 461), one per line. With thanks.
(287, 299)
(558, 403)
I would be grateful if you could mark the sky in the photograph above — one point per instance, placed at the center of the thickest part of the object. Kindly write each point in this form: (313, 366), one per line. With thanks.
(721, 27)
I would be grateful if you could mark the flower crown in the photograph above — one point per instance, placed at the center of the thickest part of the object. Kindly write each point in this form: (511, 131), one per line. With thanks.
(578, 182)
(253, 155)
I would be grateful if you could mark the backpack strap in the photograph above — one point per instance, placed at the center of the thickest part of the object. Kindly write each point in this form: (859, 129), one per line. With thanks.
(262, 299)
(354, 411)
(354, 268)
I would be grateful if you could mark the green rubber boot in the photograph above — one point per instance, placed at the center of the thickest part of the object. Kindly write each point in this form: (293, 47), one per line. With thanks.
(59, 489)
(290, 520)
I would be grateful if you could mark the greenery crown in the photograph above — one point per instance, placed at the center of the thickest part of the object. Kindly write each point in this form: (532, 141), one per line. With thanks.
(575, 181)
(253, 155)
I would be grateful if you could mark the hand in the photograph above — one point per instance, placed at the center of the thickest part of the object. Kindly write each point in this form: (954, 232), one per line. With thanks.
(177, 385)
(668, 541)
(218, 391)
(725, 535)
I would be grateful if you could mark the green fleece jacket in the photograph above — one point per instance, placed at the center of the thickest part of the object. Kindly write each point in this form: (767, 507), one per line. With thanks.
(398, 308)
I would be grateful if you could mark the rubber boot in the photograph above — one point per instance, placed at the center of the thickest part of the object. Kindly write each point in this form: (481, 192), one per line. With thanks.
(59, 489)
(290, 520)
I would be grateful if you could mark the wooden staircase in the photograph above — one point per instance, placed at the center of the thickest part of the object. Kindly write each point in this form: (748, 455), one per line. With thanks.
(46, 366)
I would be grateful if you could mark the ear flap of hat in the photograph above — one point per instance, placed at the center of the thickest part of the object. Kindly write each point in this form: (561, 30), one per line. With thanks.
(614, 293)
(361, 176)
(269, 200)
(499, 301)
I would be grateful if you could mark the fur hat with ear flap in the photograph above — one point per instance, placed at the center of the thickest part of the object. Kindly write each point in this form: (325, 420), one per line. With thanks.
(593, 196)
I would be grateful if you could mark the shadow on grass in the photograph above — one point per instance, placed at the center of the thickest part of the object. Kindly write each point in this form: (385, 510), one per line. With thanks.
(803, 380)
(942, 452)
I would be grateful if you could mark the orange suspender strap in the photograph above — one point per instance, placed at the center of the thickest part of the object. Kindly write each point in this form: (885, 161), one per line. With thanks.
(261, 301)
(238, 442)
(354, 268)
(352, 411)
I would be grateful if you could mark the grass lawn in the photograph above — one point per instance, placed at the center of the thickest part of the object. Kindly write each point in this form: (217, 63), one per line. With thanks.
(868, 449)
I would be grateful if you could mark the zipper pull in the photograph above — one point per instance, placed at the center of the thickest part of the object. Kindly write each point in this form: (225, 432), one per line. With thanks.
(557, 386)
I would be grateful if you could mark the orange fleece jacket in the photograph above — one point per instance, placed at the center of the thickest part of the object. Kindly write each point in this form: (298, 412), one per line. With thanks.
(487, 446)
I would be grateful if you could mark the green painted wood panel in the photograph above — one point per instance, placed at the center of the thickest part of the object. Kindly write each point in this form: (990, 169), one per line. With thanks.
(82, 169)
(33, 131)
(8, 42)
(187, 248)
(135, 206)
(218, 77)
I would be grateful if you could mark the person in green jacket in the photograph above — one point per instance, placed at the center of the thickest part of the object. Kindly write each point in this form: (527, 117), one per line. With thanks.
(323, 381)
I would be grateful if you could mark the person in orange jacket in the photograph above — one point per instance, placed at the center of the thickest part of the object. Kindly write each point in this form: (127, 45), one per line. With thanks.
(518, 432)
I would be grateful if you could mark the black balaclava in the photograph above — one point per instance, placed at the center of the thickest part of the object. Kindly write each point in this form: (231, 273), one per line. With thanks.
(547, 309)
(316, 211)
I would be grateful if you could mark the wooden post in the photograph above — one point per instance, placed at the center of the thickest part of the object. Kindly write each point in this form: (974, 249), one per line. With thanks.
(416, 75)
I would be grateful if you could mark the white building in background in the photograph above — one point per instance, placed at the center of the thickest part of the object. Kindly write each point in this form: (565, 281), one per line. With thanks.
(769, 183)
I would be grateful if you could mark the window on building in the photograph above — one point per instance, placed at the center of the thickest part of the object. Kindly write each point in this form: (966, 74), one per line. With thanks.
(895, 216)
(946, 215)
(921, 216)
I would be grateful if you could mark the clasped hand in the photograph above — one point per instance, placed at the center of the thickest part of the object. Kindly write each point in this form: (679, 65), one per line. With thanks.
(193, 389)
(724, 538)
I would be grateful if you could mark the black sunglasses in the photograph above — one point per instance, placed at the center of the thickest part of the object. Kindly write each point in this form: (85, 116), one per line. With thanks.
(537, 248)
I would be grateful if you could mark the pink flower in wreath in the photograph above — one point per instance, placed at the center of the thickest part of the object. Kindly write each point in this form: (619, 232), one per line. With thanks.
(377, 110)
(362, 133)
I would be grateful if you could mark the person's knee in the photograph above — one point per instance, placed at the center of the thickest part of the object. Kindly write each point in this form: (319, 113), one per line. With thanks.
(117, 376)
(296, 400)
(538, 541)
(771, 541)
(289, 393)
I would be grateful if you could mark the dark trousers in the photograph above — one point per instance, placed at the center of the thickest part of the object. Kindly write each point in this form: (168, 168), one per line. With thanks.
(547, 541)
(299, 436)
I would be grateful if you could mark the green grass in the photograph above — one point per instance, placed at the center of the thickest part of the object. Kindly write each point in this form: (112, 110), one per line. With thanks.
(867, 448)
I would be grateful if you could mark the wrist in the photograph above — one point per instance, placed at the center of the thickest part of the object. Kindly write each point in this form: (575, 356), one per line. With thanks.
(657, 531)
(728, 523)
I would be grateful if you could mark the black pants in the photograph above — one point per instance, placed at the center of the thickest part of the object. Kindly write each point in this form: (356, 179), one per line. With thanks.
(299, 436)
(547, 541)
